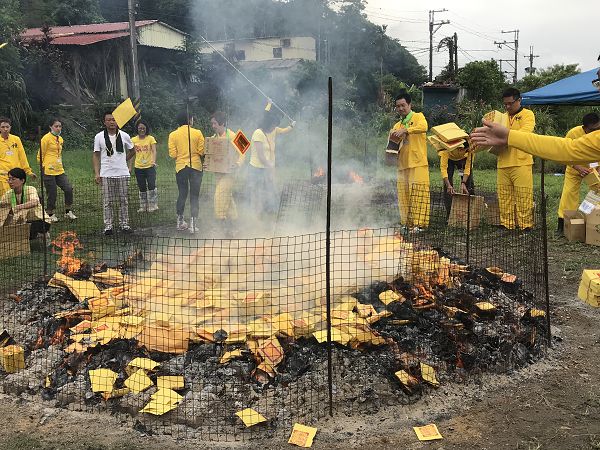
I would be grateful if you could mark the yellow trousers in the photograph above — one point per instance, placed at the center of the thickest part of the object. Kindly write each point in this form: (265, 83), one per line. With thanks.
(413, 196)
(515, 191)
(4, 187)
(569, 199)
(225, 207)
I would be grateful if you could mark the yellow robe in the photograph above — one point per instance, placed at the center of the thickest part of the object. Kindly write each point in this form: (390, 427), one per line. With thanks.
(584, 150)
(12, 154)
(515, 178)
(225, 207)
(413, 174)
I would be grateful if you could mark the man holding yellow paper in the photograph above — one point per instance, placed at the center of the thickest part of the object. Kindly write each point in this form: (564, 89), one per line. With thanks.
(515, 168)
(569, 199)
(413, 168)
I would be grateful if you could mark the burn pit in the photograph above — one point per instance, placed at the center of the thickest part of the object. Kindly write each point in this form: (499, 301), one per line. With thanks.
(397, 306)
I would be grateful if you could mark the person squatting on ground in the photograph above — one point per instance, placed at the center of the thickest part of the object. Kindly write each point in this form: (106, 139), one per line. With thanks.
(186, 147)
(460, 160)
(12, 154)
(23, 205)
(112, 149)
(413, 168)
(569, 199)
(144, 145)
(53, 172)
(225, 207)
(261, 172)
(515, 168)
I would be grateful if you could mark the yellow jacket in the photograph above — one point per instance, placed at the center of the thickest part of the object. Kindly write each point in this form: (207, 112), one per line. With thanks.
(52, 151)
(584, 150)
(455, 155)
(523, 121)
(414, 152)
(179, 148)
(12, 154)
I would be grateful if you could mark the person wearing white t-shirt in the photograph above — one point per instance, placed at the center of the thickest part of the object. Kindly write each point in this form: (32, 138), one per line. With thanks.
(112, 149)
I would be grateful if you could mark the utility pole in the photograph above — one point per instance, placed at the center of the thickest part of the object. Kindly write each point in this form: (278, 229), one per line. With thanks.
(455, 54)
(513, 45)
(531, 70)
(433, 27)
(135, 84)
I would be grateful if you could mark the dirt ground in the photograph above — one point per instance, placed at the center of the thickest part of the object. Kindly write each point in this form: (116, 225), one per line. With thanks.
(553, 404)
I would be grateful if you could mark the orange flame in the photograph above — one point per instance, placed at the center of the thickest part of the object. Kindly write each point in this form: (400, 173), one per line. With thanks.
(59, 336)
(67, 242)
(355, 178)
(319, 173)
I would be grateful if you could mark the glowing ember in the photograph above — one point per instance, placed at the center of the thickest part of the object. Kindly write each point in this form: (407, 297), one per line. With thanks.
(319, 173)
(355, 178)
(66, 243)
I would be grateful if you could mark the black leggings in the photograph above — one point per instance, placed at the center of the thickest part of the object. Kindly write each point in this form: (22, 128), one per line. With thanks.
(456, 165)
(146, 179)
(188, 180)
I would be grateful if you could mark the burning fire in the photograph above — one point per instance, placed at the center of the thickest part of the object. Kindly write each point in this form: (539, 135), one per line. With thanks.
(355, 178)
(319, 173)
(67, 242)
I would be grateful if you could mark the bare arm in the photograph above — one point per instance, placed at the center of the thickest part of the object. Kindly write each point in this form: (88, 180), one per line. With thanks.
(96, 164)
(153, 153)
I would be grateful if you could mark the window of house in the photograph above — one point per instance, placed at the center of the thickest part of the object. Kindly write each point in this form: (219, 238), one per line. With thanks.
(240, 55)
(286, 43)
(277, 52)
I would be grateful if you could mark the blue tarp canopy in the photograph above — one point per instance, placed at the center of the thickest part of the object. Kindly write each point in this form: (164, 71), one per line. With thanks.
(575, 90)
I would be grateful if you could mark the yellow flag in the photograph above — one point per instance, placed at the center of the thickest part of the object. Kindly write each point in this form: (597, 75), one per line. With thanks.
(124, 112)
(3, 45)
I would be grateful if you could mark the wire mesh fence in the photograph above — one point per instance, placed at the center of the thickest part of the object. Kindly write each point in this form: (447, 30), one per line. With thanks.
(184, 331)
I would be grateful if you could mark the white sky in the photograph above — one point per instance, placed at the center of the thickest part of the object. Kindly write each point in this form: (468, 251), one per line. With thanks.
(560, 32)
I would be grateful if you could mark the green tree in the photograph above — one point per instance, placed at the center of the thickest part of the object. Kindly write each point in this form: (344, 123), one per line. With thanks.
(75, 12)
(483, 80)
(547, 76)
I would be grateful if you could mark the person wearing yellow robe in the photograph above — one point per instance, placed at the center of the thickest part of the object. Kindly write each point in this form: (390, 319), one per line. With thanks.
(225, 206)
(515, 168)
(413, 168)
(461, 160)
(12, 154)
(569, 199)
(186, 147)
(53, 172)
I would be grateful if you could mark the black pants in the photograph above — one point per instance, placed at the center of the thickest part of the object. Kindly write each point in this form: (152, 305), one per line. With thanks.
(51, 182)
(37, 226)
(146, 179)
(459, 166)
(188, 180)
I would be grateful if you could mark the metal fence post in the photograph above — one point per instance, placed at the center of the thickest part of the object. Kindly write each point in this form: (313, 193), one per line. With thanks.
(328, 248)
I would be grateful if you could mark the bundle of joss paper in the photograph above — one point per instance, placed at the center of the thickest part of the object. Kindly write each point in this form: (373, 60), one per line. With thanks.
(447, 136)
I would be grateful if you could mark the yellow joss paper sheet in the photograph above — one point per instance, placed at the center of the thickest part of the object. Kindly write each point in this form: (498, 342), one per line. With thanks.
(336, 336)
(174, 382)
(163, 401)
(250, 417)
(228, 356)
(102, 380)
(302, 436)
(143, 363)
(124, 113)
(428, 375)
(138, 382)
(428, 432)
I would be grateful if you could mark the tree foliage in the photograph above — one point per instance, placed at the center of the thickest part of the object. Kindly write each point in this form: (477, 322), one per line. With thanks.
(483, 80)
(547, 76)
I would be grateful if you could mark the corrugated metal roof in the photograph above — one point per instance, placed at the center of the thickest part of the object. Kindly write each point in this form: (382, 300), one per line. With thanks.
(94, 28)
(87, 39)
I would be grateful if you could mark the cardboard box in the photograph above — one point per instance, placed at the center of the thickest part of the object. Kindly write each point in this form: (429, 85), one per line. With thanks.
(14, 240)
(592, 179)
(590, 208)
(574, 226)
(219, 155)
(589, 287)
(460, 213)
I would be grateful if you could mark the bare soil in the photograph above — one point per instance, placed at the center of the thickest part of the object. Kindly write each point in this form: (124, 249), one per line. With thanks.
(552, 404)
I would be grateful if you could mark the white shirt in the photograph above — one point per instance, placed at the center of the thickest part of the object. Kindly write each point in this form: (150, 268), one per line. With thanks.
(114, 166)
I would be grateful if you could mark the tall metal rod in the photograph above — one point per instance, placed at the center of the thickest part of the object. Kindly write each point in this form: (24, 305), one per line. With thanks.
(545, 252)
(328, 250)
(45, 243)
(468, 237)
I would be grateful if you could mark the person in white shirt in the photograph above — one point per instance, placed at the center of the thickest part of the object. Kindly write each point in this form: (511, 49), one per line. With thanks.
(112, 149)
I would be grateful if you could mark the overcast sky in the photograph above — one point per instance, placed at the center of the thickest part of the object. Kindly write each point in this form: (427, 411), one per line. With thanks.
(560, 32)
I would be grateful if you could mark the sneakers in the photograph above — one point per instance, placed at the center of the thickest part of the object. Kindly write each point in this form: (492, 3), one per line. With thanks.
(52, 218)
(153, 200)
(108, 232)
(69, 215)
(181, 224)
(126, 229)
(143, 201)
(193, 228)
